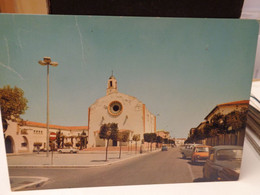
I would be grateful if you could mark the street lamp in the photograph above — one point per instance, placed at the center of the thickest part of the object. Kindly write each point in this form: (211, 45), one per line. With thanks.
(47, 62)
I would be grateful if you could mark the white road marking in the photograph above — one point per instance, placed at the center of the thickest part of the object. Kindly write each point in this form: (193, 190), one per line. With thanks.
(39, 181)
(191, 173)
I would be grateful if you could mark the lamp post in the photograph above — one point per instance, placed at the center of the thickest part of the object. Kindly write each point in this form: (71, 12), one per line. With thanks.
(47, 62)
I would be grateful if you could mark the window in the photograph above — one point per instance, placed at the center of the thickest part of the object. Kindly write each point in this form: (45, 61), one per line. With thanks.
(202, 149)
(24, 131)
(229, 154)
(115, 108)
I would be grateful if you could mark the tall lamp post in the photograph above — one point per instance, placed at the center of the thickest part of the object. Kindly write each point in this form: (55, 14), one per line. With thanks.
(47, 62)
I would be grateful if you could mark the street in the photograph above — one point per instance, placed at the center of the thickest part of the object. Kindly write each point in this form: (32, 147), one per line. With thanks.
(155, 168)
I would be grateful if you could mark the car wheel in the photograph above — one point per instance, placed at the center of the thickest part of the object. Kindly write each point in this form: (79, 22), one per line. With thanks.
(192, 161)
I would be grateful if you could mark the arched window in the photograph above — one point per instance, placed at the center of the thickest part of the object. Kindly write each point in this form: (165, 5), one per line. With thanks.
(25, 142)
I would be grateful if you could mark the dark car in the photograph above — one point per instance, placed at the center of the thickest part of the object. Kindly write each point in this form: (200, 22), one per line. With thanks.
(164, 148)
(223, 164)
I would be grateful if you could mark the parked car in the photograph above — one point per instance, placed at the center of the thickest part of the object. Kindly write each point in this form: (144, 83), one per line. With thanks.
(181, 148)
(164, 148)
(223, 164)
(68, 150)
(187, 150)
(200, 153)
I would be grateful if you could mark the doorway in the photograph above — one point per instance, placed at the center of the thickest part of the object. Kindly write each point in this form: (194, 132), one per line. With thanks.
(9, 144)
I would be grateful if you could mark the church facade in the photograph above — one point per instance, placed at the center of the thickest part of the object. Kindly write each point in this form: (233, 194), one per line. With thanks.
(127, 111)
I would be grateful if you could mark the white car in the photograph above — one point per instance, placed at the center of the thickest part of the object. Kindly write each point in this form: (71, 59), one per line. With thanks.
(68, 150)
(188, 150)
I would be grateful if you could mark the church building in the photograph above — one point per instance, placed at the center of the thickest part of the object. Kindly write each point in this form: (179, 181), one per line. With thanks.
(127, 111)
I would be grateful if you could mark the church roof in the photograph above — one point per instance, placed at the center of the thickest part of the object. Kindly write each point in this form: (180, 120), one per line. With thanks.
(37, 124)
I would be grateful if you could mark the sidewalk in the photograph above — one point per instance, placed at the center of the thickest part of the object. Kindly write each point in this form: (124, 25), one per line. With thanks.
(82, 159)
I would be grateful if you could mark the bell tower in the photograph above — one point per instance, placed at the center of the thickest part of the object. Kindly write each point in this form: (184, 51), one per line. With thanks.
(111, 85)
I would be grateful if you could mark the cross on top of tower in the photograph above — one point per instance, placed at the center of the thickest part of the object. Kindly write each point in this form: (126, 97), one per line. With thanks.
(112, 75)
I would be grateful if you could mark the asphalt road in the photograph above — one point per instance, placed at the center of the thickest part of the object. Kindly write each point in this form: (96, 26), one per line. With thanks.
(154, 168)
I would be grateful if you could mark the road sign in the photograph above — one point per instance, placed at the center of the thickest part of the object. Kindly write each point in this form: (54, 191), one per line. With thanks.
(52, 136)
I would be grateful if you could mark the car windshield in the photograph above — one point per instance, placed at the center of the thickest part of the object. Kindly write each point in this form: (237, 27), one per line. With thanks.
(229, 154)
(201, 149)
(189, 147)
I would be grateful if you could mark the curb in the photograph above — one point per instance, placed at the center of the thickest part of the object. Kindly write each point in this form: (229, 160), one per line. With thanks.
(41, 181)
(19, 154)
(80, 166)
(56, 166)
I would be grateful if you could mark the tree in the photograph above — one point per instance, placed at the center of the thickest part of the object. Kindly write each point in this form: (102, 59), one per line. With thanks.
(147, 138)
(58, 138)
(172, 142)
(71, 139)
(83, 140)
(107, 132)
(150, 138)
(236, 120)
(166, 141)
(136, 138)
(37, 145)
(13, 104)
(195, 136)
(62, 141)
(153, 139)
(206, 130)
(218, 123)
(122, 137)
(68, 144)
(198, 135)
(221, 124)
(159, 140)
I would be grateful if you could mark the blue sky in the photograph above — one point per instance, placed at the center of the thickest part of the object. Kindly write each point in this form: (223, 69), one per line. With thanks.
(180, 68)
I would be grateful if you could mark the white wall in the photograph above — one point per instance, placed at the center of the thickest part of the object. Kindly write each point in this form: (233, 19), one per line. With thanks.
(131, 117)
(33, 134)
